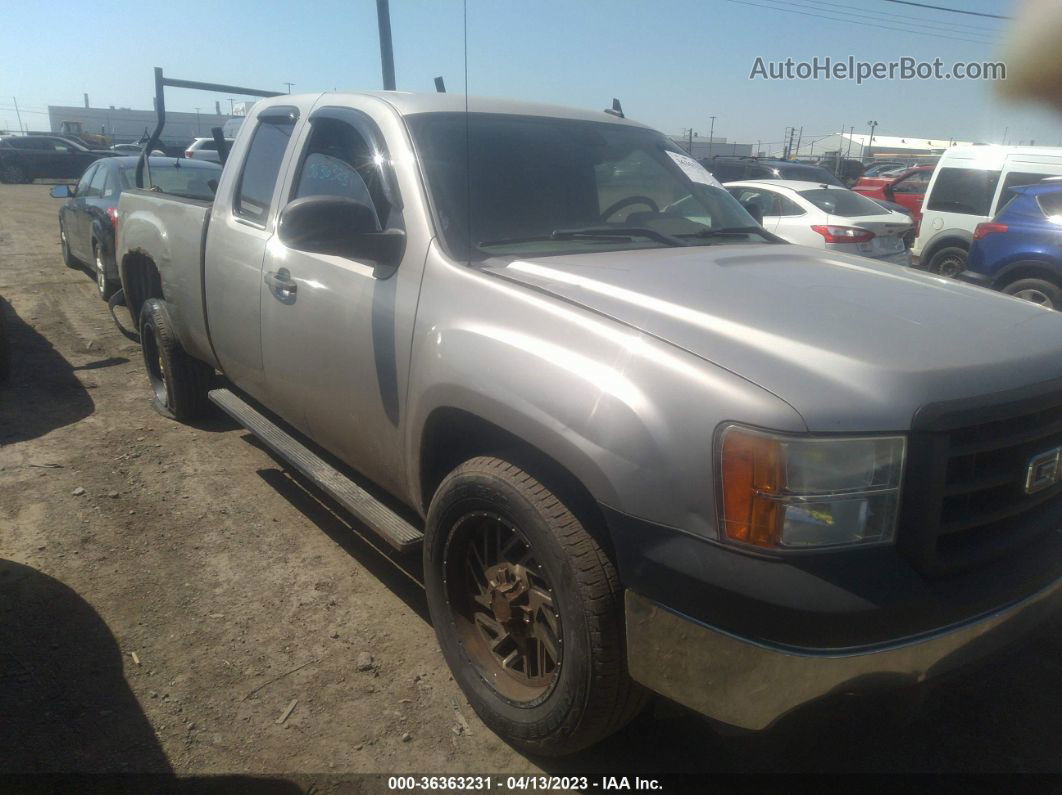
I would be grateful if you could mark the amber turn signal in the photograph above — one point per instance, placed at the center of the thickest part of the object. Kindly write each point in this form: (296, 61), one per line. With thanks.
(752, 479)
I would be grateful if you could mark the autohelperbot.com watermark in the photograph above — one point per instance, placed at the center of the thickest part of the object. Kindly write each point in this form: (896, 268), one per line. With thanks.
(904, 68)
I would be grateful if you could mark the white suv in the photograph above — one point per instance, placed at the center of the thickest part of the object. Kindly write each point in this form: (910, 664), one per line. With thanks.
(204, 149)
(970, 185)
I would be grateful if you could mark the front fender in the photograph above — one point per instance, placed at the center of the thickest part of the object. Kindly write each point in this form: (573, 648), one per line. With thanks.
(632, 417)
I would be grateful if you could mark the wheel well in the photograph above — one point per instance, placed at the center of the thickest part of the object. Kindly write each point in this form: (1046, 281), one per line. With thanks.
(958, 242)
(141, 281)
(1031, 270)
(452, 436)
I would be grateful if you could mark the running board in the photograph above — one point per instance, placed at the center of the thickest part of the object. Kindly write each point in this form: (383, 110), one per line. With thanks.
(391, 527)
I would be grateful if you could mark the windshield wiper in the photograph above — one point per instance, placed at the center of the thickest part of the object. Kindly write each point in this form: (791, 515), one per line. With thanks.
(724, 232)
(594, 233)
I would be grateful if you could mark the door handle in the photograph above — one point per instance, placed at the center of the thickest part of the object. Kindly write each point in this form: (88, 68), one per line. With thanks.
(281, 282)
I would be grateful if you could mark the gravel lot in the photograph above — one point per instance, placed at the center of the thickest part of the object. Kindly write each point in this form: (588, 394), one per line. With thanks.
(169, 593)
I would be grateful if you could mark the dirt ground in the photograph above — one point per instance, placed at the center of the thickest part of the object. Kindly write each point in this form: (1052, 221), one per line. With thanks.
(173, 600)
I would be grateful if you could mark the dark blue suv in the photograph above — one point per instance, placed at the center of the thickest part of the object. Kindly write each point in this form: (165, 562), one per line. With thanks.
(1020, 250)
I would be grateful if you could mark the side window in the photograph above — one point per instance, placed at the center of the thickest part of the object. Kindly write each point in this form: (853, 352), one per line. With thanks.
(1051, 205)
(338, 162)
(913, 183)
(99, 179)
(765, 200)
(1014, 179)
(58, 146)
(726, 172)
(963, 190)
(788, 207)
(86, 178)
(261, 169)
(111, 187)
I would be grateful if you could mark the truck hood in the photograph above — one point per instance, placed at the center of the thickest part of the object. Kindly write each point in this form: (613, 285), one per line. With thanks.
(851, 344)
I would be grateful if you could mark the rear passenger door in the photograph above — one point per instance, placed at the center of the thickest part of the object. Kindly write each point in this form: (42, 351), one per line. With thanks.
(236, 243)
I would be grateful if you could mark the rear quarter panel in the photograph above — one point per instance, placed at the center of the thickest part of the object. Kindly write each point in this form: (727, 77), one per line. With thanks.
(170, 231)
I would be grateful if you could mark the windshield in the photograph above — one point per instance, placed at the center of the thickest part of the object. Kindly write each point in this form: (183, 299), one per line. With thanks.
(191, 183)
(541, 185)
(843, 202)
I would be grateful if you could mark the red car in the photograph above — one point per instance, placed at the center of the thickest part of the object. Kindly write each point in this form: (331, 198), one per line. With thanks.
(907, 189)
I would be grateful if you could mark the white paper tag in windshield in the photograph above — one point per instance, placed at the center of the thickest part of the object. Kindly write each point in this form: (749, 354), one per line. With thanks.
(694, 170)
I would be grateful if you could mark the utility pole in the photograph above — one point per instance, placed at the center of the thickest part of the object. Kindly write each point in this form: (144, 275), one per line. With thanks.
(799, 138)
(232, 110)
(690, 147)
(21, 129)
(870, 141)
(289, 85)
(197, 122)
(387, 55)
(711, 137)
(840, 143)
(851, 132)
(1005, 131)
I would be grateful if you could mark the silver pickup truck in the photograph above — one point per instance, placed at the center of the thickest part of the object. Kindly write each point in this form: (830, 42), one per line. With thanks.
(643, 444)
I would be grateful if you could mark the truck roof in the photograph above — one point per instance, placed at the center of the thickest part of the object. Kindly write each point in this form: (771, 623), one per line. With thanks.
(409, 103)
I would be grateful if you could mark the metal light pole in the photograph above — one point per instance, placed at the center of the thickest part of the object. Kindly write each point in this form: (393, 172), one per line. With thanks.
(232, 111)
(197, 122)
(870, 143)
(711, 135)
(21, 129)
(387, 55)
(289, 85)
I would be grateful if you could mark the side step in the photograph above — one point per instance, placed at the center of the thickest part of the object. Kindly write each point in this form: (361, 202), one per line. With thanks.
(391, 527)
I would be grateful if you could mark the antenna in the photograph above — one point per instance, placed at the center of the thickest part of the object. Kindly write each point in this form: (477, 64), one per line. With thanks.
(616, 109)
(440, 86)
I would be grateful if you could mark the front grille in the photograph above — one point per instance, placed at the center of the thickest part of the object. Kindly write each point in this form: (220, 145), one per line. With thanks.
(966, 485)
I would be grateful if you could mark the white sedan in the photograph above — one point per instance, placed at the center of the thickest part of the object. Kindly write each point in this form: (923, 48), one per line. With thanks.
(825, 216)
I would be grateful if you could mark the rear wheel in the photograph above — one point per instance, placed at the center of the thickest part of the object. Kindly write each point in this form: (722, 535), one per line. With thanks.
(949, 261)
(528, 610)
(104, 285)
(179, 382)
(68, 258)
(1037, 291)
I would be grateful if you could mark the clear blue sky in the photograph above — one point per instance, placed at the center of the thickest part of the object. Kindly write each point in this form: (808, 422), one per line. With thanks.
(672, 62)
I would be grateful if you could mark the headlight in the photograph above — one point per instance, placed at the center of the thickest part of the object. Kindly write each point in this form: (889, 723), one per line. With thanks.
(792, 492)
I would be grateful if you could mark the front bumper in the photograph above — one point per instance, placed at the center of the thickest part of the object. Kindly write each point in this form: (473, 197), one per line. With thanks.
(751, 684)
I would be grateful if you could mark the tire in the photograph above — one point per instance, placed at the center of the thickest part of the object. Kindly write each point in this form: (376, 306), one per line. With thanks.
(5, 350)
(68, 258)
(14, 174)
(948, 261)
(1038, 291)
(572, 690)
(105, 286)
(179, 383)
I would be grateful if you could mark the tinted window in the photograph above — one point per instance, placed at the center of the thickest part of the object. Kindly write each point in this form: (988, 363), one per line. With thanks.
(111, 187)
(99, 179)
(261, 168)
(808, 174)
(191, 183)
(963, 190)
(210, 146)
(1015, 178)
(26, 143)
(842, 202)
(1051, 204)
(727, 172)
(339, 162)
(915, 183)
(86, 178)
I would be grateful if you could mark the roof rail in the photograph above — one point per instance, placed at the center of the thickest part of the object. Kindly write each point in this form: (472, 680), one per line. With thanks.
(160, 110)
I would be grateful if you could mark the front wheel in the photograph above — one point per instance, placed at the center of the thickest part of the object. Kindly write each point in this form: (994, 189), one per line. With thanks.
(528, 610)
(179, 382)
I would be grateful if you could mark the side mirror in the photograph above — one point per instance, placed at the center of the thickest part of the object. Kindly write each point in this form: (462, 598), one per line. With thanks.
(62, 191)
(754, 209)
(340, 226)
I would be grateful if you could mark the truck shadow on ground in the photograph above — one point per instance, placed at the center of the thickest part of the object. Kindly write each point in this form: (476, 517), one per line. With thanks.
(65, 704)
(42, 393)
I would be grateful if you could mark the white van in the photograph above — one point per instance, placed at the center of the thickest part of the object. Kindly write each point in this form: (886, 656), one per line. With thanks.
(970, 184)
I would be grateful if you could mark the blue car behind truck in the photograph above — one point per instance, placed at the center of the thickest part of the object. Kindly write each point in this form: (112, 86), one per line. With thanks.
(1019, 252)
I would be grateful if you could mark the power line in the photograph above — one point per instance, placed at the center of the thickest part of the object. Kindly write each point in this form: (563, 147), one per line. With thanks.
(907, 19)
(921, 26)
(949, 10)
(934, 34)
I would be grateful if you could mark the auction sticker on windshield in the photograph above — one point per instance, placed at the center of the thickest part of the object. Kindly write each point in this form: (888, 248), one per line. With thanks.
(694, 170)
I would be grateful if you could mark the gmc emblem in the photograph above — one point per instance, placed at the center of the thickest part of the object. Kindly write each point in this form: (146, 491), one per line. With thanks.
(1043, 470)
